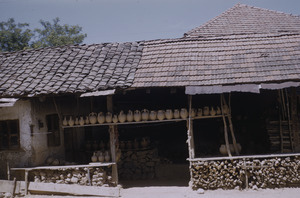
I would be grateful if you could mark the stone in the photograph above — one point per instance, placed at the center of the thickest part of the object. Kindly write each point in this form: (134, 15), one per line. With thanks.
(200, 191)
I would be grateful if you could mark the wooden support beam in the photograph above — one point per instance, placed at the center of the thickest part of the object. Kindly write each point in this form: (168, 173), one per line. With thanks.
(190, 133)
(112, 134)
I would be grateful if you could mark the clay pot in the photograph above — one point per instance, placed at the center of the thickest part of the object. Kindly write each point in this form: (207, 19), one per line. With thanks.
(115, 119)
(153, 115)
(225, 109)
(94, 158)
(71, 121)
(76, 122)
(176, 114)
(184, 113)
(219, 111)
(137, 116)
(193, 113)
(212, 111)
(129, 116)
(65, 122)
(87, 120)
(93, 118)
(81, 121)
(160, 114)
(199, 112)
(145, 114)
(101, 118)
(223, 149)
(101, 157)
(122, 117)
(206, 111)
(108, 117)
(169, 114)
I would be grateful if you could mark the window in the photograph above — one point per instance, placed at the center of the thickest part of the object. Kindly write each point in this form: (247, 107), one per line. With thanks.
(53, 137)
(9, 135)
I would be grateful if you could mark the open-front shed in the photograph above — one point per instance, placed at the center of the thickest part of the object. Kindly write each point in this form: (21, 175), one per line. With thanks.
(217, 108)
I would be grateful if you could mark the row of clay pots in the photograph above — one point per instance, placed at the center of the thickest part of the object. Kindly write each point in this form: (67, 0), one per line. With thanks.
(144, 115)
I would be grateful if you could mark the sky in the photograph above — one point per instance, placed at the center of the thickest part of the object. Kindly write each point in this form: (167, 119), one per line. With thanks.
(130, 20)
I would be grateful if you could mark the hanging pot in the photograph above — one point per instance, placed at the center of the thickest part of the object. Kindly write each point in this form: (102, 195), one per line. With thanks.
(169, 114)
(81, 121)
(160, 114)
(71, 121)
(184, 113)
(65, 121)
(153, 115)
(137, 116)
(176, 114)
(108, 117)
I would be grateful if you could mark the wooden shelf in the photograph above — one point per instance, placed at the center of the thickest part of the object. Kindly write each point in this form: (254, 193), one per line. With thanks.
(144, 122)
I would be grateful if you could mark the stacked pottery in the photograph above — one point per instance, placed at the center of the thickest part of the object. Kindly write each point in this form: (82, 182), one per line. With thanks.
(101, 118)
(129, 116)
(145, 114)
(153, 115)
(122, 117)
(169, 114)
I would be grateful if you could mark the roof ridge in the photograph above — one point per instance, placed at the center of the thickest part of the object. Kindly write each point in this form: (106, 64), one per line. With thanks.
(228, 11)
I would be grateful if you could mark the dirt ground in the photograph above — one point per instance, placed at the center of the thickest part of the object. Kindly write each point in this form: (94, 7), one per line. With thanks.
(185, 192)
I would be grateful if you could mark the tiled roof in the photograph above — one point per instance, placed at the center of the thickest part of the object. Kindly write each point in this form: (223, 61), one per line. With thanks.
(235, 59)
(244, 19)
(69, 69)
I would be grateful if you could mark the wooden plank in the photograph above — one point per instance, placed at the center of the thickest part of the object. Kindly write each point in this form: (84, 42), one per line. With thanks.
(8, 186)
(73, 189)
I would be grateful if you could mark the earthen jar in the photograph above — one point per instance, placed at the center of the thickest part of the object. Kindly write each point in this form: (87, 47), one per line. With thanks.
(101, 118)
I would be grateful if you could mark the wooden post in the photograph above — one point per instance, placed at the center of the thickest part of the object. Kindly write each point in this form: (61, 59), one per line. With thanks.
(112, 132)
(26, 182)
(225, 128)
(190, 132)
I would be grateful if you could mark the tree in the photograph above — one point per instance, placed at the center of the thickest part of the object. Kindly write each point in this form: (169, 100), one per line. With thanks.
(57, 35)
(14, 36)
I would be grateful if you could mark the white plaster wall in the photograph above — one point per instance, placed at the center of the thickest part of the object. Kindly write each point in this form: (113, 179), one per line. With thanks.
(21, 157)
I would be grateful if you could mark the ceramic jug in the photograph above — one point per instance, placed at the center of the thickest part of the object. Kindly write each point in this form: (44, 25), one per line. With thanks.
(160, 114)
(145, 114)
(129, 116)
(137, 116)
(107, 156)
(93, 118)
(115, 119)
(81, 121)
(193, 112)
(100, 157)
(122, 117)
(94, 158)
(219, 110)
(108, 117)
(87, 120)
(65, 122)
(176, 114)
(71, 121)
(206, 111)
(199, 112)
(101, 118)
(76, 122)
(183, 113)
(212, 111)
(152, 115)
(223, 149)
(169, 114)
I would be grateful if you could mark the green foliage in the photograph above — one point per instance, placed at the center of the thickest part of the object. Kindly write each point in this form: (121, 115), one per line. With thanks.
(14, 36)
(57, 35)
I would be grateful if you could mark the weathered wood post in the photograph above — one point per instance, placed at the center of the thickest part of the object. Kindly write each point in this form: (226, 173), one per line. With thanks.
(190, 138)
(112, 135)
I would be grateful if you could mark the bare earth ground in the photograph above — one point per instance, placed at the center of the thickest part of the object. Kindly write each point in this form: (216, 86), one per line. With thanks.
(185, 192)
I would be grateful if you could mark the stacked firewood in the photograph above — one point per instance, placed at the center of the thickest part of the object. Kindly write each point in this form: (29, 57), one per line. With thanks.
(97, 176)
(138, 164)
(252, 173)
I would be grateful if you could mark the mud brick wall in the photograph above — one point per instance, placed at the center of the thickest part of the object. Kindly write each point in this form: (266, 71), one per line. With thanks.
(243, 173)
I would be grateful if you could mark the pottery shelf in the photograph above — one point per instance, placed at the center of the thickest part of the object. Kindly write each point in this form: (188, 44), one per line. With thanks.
(144, 122)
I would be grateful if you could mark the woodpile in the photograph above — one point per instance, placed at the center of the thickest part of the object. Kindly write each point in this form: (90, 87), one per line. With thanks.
(138, 164)
(81, 176)
(252, 173)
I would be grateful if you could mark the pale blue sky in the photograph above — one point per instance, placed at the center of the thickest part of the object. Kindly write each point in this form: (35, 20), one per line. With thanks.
(130, 20)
